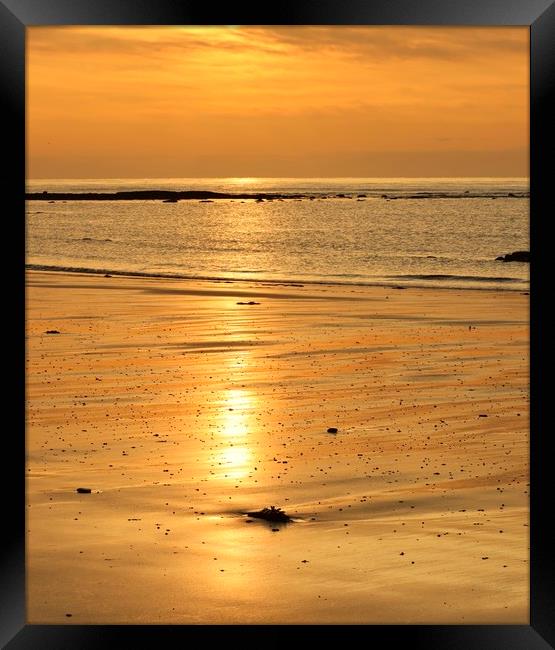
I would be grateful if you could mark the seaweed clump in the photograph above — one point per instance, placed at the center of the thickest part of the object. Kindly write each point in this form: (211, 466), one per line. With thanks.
(270, 514)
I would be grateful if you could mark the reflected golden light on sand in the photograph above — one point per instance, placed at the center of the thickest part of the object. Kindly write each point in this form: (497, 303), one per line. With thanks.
(236, 410)
(235, 461)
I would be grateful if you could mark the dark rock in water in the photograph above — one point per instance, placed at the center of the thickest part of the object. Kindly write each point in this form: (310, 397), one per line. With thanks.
(84, 490)
(153, 195)
(251, 302)
(516, 256)
(270, 514)
(332, 430)
(52, 332)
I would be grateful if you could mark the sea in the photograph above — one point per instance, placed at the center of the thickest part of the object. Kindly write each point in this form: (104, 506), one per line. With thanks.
(424, 232)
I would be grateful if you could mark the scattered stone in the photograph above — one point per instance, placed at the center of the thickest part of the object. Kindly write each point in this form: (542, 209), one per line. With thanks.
(251, 302)
(332, 430)
(84, 490)
(52, 332)
(482, 415)
(270, 514)
(107, 275)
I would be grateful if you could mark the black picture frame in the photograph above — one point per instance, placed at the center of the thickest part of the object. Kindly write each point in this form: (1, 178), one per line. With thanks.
(539, 15)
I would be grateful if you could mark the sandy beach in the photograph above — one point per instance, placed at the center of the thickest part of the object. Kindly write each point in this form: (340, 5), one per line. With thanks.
(181, 410)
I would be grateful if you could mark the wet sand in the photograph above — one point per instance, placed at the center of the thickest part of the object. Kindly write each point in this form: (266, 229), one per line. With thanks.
(181, 410)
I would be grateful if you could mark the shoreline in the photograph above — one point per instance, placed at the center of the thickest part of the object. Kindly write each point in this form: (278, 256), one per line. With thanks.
(402, 282)
(415, 511)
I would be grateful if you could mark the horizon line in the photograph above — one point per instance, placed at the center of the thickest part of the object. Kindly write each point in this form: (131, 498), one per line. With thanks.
(254, 178)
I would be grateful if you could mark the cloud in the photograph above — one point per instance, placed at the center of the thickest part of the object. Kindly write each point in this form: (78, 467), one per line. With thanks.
(268, 90)
(386, 43)
(378, 43)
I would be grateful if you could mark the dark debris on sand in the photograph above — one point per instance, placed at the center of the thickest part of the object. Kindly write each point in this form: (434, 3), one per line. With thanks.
(270, 514)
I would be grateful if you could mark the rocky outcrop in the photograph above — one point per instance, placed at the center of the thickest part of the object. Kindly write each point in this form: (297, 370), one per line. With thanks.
(270, 514)
(517, 256)
(167, 196)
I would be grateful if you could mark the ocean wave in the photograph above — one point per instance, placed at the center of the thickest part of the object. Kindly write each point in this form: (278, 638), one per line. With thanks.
(447, 276)
(92, 239)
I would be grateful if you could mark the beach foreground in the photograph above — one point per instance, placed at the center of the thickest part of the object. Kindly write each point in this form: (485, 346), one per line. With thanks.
(182, 410)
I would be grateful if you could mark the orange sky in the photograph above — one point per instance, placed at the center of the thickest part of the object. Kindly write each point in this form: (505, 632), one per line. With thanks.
(277, 101)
